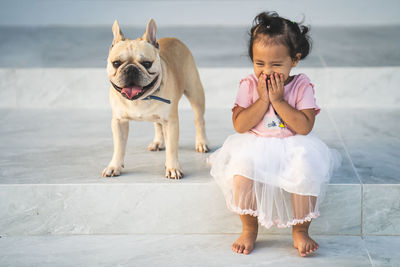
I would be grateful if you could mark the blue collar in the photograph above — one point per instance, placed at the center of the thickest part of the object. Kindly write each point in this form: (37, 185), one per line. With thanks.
(149, 97)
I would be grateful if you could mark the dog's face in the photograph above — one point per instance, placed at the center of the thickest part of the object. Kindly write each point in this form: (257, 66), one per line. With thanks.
(134, 66)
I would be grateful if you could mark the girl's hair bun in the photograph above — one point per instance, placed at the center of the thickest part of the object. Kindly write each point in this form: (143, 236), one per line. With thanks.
(279, 30)
(268, 22)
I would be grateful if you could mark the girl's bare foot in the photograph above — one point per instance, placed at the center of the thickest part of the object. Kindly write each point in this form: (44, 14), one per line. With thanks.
(245, 243)
(302, 241)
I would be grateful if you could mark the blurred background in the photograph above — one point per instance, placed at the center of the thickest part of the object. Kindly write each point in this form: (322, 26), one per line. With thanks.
(77, 33)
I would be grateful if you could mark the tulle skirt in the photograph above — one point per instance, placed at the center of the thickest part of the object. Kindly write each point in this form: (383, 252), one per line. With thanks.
(281, 181)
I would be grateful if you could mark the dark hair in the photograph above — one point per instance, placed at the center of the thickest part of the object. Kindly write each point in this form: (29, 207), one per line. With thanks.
(280, 31)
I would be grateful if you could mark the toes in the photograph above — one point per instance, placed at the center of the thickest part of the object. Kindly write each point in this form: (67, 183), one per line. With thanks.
(155, 146)
(315, 247)
(308, 248)
(173, 174)
(202, 148)
(236, 247)
(115, 173)
(111, 172)
(302, 250)
(247, 251)
(241, 248)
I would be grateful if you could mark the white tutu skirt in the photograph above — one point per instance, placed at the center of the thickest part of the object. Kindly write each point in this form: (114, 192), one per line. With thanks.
(281, 181)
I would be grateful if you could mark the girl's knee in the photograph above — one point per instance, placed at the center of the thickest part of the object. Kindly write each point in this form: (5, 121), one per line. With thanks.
(242, 182)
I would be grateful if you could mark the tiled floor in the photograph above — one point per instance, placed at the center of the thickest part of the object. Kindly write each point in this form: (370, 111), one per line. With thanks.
(373, 145)
(192, 250)
(56, 142)
(36, 139)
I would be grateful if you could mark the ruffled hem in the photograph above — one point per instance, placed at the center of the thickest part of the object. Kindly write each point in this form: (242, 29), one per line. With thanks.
(268, 223)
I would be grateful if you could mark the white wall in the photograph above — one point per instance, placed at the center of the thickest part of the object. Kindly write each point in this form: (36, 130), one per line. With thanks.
(218, 12)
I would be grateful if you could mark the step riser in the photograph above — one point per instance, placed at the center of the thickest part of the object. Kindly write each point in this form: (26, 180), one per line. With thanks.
(149, 208)
(88, 87)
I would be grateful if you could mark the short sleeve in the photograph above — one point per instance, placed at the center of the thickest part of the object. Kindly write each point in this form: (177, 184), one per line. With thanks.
(243, 97)
(306, 98)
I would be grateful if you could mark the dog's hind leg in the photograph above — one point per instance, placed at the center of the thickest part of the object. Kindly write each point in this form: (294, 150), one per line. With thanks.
(158, 141)
(195, 95)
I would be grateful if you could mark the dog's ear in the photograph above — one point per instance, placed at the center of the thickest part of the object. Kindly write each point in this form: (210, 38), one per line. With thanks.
(118, 35)
(150, 34)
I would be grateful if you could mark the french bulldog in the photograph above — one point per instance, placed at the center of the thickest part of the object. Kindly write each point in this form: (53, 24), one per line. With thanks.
(148, 78)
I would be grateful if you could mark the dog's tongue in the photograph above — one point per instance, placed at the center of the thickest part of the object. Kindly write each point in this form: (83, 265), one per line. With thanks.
(131, 91)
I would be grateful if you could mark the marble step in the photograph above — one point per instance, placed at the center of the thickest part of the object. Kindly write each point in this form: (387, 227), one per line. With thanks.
(51, 161)
(87, 88)
(192, 250)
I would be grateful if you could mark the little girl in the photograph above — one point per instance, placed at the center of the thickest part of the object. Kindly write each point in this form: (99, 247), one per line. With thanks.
(273, 171)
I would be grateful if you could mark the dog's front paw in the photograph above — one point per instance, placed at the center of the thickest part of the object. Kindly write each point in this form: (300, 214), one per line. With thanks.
(156, 146)
(173, 173)
(202, 147)
(111, 171)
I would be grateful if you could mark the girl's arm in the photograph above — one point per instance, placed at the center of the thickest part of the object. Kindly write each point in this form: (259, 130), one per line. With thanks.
(300, 121)
(246, 118)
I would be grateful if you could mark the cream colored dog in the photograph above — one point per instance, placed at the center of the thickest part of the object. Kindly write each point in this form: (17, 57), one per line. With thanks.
(145, 74)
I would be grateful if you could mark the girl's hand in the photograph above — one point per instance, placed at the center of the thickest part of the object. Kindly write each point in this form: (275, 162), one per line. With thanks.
(262, 88)
(275, 87)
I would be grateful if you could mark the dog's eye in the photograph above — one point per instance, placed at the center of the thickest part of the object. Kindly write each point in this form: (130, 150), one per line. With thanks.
(147, 64)
(116, 64)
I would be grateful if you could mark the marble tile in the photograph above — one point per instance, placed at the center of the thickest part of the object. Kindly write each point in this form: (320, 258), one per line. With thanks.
(376, 161)
(65, 141)
(358, 46)
(8, 90)
(55, 88)
(383, 250)
(188, 250)
(381, 210)
(88, 88)
(113, 209)
(363, 123)
(148, 208)
(340, 213)
(373, 87)
(373, 147)
(325, 129)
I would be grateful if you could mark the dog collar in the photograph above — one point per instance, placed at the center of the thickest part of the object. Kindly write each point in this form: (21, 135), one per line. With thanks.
(149, 97)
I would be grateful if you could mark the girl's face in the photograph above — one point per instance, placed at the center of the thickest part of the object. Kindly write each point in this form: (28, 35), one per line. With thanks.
(273, 58)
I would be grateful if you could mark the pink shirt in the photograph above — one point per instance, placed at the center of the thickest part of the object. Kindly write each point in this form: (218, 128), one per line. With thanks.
(299, 93)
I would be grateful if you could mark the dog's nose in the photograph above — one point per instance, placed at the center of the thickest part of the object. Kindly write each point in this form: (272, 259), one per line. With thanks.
(131, 71)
